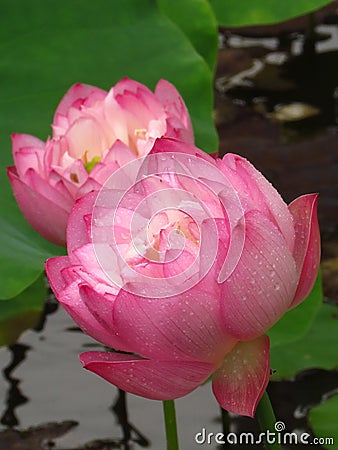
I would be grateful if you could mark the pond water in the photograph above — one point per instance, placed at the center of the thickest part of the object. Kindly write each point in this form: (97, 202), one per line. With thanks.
(49, 385)
(43, 381)
(65, 407)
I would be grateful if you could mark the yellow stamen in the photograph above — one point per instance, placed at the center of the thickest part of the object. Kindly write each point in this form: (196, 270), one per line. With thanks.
(141, 133)
(85, 157)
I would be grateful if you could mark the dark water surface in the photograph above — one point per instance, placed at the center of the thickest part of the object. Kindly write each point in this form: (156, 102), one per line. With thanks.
(56, 389)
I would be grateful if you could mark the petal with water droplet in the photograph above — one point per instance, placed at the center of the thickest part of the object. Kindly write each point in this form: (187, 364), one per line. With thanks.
(268, 297)
(187, 326)
(154, 379)
(240, 382)
(256, 192)
(307, 244)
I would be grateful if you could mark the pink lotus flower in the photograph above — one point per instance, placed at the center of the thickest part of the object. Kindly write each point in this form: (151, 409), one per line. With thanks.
(94, 133)
(186, 270)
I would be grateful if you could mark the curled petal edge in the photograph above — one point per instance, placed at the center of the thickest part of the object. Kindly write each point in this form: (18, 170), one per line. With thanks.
(240, 382)
(153, 379)
(307, 244)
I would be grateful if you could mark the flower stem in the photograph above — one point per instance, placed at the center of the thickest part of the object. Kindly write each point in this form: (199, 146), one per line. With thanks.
(266, 419)
(170, 424)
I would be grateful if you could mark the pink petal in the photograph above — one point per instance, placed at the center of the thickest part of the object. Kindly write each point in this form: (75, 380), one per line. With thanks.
(257, 193)
(175, 107)
(74, 175)
(188, 326)
(100, 174)
(261, 287)
(48, 218)
(59, 196)
(86, 135)
(100, 305)
(307, 244)
(130, 89)
(77, 227)
(25, 140)
(167, 145)
(142, 105)
(65, 282)
(56, 151)
(72, 302)
(59, 184)
(28, 152)
(54, 268)
(87, 257)
(101, 308)
(153, 379)
(120, 154)
(91, 185)
(115, 118)
(78, 92)
(128, 85)
(240, 382)
(28, 158)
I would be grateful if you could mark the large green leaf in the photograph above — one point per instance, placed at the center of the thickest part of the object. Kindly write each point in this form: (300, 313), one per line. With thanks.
(22, 312)
(323, 420)
(318, 348)
(45, 47)
(197, 21)
(234, 13)
(298, 321)
(22, 250)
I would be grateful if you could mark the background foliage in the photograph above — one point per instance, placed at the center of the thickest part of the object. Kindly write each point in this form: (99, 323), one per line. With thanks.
(48, 46)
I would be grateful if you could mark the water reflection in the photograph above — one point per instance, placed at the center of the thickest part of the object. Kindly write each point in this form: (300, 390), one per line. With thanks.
(43, 435)
(18, 352)
(129, 432)
(51, 306)
(14, 397)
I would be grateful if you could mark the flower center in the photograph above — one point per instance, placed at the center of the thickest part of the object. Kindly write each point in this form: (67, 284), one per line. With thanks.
(170, 229)
(166, 236)
(90, 164)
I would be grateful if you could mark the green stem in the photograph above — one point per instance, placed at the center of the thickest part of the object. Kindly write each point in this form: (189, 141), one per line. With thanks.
(266, 419)
(170, 424)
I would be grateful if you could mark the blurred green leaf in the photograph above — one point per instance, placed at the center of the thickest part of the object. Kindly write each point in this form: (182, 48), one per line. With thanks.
(318, 348)
(234, 13)
(22, 312)
(196, 19)
(22, 251)
(295, 323)
(45, 47)
(323, 420)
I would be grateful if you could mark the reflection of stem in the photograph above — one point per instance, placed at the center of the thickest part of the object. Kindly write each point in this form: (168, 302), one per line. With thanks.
(14, 397)
(51, 306)
(120, 410)
(225, 425)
